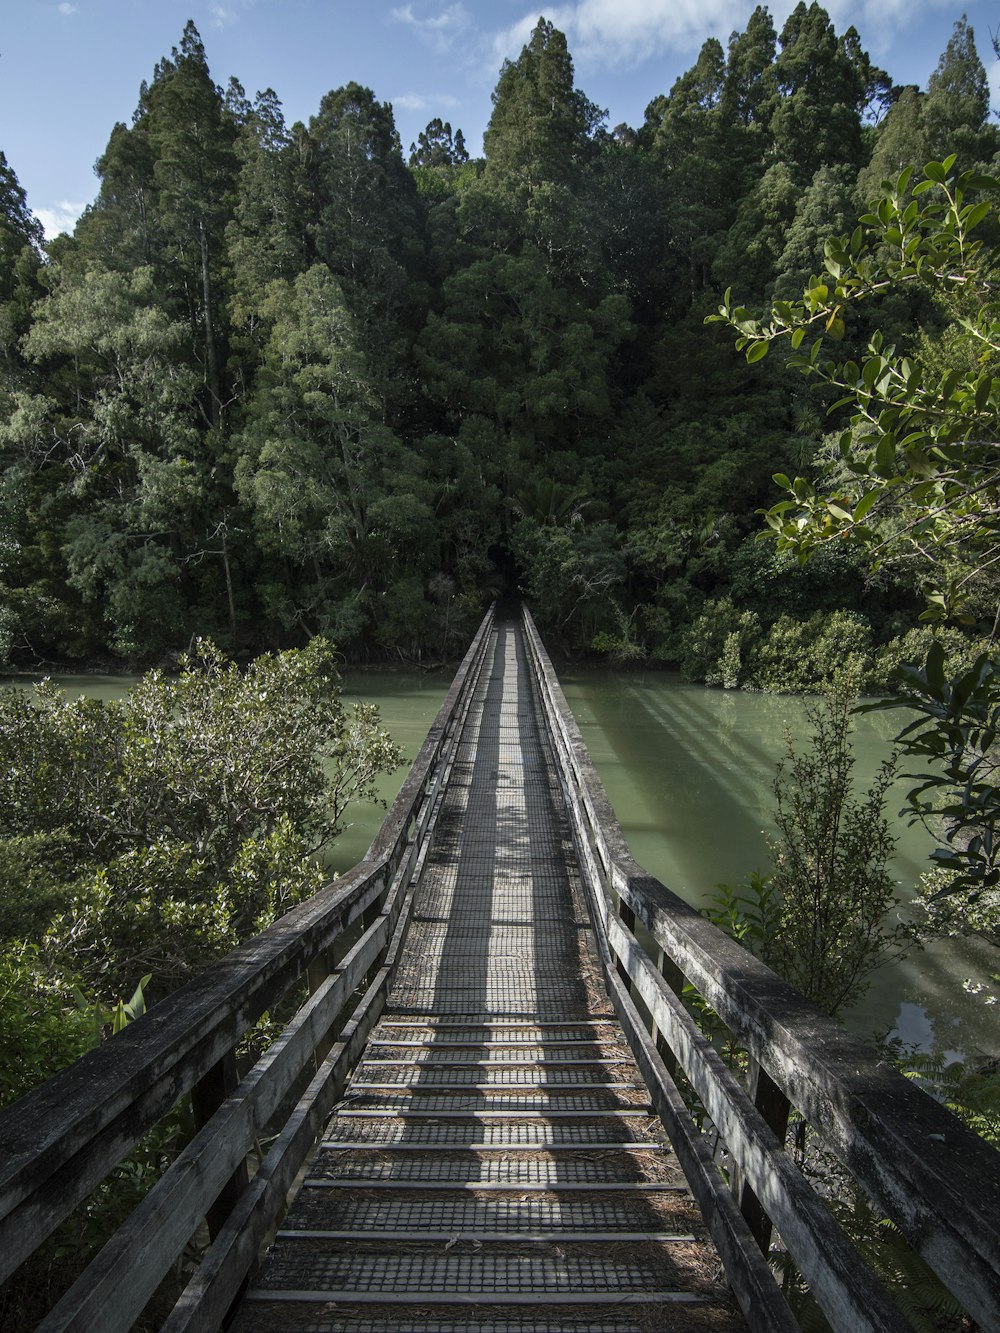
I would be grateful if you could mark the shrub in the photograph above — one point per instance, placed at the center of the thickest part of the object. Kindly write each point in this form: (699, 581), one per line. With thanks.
(179, 820)
(800, 657)
(912, 648)
(830, 859)
(718, 642)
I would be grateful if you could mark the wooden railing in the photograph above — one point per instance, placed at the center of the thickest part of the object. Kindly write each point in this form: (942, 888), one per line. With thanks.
(936, 1179)
(59, 1142)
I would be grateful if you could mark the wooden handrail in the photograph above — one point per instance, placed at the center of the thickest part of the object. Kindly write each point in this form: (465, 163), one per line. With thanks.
(935, 1178)
(61, 1140)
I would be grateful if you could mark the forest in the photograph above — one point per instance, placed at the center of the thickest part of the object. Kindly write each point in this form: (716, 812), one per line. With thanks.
(294, 394)
(286, 381)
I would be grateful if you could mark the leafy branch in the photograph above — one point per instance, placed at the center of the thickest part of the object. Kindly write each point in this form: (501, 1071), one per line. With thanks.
(919, 462)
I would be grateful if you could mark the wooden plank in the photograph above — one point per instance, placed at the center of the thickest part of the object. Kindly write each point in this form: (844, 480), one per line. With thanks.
(60, 1141)
(487, 1298)
(210, 1293)
(747, 1271)
(848, 1292)
(115, 1287)
(207, 1097)
(935, 1178)
(234, 1251)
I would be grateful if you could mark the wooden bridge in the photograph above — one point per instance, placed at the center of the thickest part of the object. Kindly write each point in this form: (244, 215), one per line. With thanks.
(474, 1120)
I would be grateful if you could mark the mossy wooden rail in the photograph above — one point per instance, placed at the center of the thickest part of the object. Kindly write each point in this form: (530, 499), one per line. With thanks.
(939, 1182)
(59, 1142)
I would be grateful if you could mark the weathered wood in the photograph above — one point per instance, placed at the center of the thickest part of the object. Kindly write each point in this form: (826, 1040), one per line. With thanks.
(212, 1290)
(116, 1286)
(934, 1177)
(208, 1095)
(60, 1141)
(847, 1291)
(774, 1108)
(104, 1103)
(747, 1272)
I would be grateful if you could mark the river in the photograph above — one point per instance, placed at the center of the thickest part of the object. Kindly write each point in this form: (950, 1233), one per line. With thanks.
(689, 772)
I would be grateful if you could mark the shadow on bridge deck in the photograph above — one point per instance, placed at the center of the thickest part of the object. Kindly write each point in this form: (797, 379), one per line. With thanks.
(495, 1164)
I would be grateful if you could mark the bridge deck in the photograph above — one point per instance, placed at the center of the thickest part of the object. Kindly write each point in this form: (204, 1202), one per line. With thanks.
(494, 1165)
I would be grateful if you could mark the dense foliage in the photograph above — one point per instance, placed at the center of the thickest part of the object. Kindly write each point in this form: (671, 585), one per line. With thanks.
(823, 915)
(140, 839)
(282, 382)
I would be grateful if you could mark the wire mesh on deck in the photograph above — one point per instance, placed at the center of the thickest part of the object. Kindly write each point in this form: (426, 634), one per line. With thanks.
(478, 1121)
(470, 1169)
(464, 1215)
(490, 1134)
(484, 1273)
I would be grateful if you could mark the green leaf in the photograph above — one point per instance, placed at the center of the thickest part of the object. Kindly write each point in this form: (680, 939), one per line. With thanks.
(934, 171)
(780, 479)
(975, 214)
(864, 506)
(797, 337)
(756, 352)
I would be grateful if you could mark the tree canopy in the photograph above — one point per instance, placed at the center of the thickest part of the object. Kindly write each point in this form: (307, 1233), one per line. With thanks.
(282, 380)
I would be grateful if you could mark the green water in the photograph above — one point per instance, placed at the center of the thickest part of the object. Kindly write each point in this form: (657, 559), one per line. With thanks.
(689, 772)
(409, 702)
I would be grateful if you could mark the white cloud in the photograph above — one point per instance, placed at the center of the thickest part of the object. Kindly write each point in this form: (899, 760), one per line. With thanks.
(438, 30)
(66, 8)
(623, 33)
(418, 102)
(410, 101)
(626, 32)
(222, 16)
(60, 218)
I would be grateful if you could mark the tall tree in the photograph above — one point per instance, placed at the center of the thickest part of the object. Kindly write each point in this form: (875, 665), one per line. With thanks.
(109, 458)
(333, 493)
(120, 229)
(540, 143)
(750, 88)
(958, 101)
(901, 143)
(192, 141)
(368, 229)
(436, 146)
(21, 240)
(688, 136)
(822, 86)
(267, 237)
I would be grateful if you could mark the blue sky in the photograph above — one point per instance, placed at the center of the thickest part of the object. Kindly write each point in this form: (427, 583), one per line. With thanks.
(70, 68)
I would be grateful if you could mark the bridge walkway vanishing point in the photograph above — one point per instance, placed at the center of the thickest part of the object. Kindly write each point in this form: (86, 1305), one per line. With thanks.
(496, 1145)
(453, 1130)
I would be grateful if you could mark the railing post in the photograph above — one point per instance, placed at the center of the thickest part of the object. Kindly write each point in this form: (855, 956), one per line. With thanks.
(321, 967)
(674, 978)
(207, 1095)
(628, 916)
(774, 1108)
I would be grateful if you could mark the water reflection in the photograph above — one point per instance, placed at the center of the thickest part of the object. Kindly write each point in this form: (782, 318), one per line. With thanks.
(690, 770)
